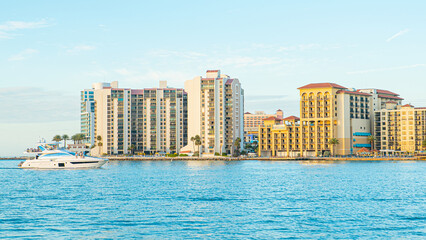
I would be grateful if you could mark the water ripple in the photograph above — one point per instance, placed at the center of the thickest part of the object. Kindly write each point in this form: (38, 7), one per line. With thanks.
(216, 200)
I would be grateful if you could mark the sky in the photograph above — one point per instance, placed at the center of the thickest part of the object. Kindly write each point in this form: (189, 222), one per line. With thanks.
(51, 50)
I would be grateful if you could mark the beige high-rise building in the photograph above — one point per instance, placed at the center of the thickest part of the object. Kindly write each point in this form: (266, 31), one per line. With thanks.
(400, 129)
(151, 120)
(159, 119)
(215, 112)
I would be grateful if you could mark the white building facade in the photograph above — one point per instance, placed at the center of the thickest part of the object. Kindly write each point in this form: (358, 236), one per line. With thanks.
(215, 113)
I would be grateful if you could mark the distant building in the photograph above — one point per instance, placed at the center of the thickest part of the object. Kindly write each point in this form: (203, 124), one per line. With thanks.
(400, 128)
(147, 120)
(87, 117)
(381, 97)
(215, 112)
(252, 122)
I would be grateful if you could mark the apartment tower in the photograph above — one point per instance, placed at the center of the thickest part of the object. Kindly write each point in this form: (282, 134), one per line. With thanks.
(215, 112)
(148, 121)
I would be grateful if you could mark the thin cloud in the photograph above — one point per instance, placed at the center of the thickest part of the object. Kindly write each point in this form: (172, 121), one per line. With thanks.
(387, 69)
(7, 28)
(39, 105)
(400, 33)
(81, 48)
(23, 55)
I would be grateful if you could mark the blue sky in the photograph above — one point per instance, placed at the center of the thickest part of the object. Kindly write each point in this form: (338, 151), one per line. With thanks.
(50, 50)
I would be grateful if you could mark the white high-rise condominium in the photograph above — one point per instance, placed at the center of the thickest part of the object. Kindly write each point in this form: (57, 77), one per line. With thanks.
(149, 120)
(215, 113)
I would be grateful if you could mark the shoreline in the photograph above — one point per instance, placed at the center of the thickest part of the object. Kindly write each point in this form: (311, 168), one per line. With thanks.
(133, 158)
(418, 158)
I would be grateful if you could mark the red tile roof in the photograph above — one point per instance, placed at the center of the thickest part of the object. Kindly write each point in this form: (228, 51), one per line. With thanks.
(392, 102)
(420, 108)
(247, 113)
(137, 91)
(229, 81)
(390, 97)
(271, 118)
(386, 92)
(352, 92)
(363, 150)
(291, 118)
(407, 105)
(322, 85)
(212, 70)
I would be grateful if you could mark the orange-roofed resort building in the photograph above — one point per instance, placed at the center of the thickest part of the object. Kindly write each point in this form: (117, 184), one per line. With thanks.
(329, 110)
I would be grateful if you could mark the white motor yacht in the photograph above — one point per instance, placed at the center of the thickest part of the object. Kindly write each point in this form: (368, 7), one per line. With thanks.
(61, 159)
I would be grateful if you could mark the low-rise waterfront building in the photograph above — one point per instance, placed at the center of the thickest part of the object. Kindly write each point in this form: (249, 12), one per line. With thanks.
(252, 122)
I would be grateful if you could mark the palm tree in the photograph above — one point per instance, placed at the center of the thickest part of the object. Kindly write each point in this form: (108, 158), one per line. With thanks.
(81, 137)
(198, 143)
(237, 143)
(131, 148)
(371, 139)
(74, 138)
(57, 138)
(333, 142)
(99, 140)
(193, 140)
(65, 138)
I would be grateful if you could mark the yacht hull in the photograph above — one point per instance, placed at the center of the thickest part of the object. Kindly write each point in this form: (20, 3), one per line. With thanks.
(63, 163)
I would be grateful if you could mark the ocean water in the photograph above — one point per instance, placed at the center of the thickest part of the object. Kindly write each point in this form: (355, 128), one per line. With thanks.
(216, 200)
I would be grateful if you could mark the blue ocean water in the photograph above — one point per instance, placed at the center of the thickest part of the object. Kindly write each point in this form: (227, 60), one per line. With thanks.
(216, 200)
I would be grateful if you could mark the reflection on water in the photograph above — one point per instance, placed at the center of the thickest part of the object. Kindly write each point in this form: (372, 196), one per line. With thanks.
(216, 199)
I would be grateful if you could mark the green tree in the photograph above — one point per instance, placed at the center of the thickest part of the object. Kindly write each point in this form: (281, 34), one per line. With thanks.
(65, 138)
(371, 139)
(78, 138)
(57, 138)
(193, 143)
(81, 137)
(131, 148)
(333, 142)
(197, 139)
(74, 138)
(424, 144)
(237, 144)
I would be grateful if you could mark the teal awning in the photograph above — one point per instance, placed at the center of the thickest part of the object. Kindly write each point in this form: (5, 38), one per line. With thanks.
(362, 134)
(362, 145)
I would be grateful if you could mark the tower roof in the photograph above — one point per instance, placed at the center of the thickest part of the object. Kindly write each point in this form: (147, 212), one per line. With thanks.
(271, 118)
(322, 85)
(291, 118)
